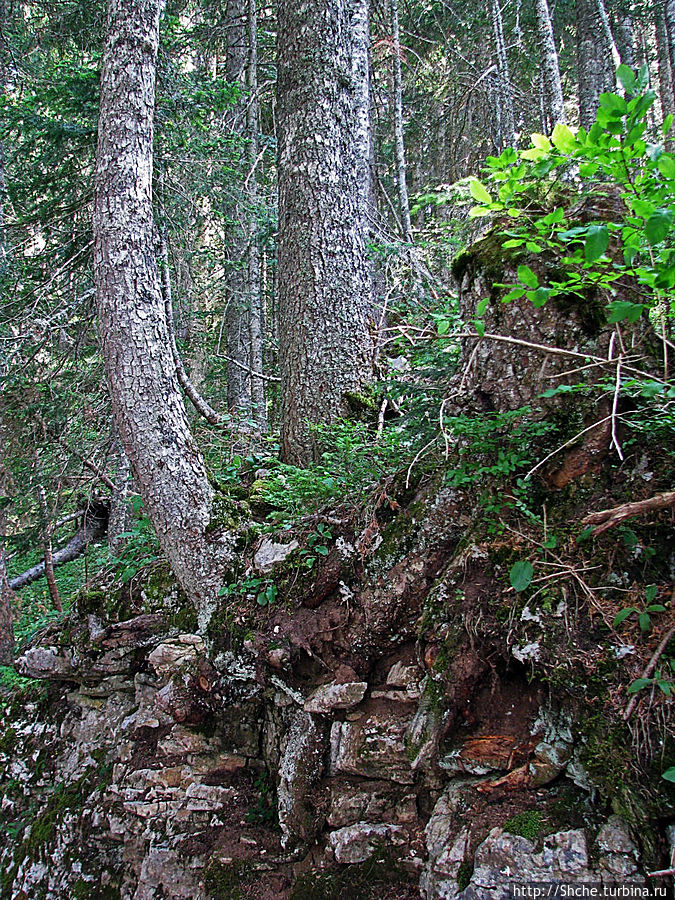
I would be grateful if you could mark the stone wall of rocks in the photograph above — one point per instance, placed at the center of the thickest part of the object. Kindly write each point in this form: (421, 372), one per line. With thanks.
(151, 768)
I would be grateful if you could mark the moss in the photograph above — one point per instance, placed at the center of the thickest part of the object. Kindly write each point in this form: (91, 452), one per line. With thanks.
(91, 602)
(87, 890)
(361, 881)
(43, 827)
(8, 740)
(226, 513)
(225, 882)
(464, 875)
(527, 824)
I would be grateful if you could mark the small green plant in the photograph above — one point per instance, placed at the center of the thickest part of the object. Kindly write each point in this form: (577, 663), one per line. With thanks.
(264, 590)
(644, 613)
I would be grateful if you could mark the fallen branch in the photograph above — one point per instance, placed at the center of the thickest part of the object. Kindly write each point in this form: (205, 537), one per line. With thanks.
(649, 671)
(87, 463)
(608, 518)
(94, 527)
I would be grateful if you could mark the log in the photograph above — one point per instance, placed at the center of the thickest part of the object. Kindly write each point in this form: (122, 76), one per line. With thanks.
(608, 518)
(93, 528)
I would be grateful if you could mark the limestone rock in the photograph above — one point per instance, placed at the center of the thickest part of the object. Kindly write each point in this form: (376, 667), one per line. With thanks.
(333, 696)
(370, 801)
(447, 846)
(171, 656)
(46, 662)
(357, 843)
(373, 746)
(271, 554)
(503, 859)
(300, 768)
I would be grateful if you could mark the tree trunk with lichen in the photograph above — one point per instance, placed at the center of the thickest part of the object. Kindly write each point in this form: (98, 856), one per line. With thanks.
(325, 317)
(147, 405)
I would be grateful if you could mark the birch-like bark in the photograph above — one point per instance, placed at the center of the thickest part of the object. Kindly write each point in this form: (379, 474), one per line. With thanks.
(168, 468)
(255, 294)
(325, 311)
(553, 94)
(506, 116)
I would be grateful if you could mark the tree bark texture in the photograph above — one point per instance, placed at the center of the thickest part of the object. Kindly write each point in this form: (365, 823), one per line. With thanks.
(147, 405)
(325, 312)
(594, 60)
(507, 136)
(255, 294)
(399, 145)
(238, 312)
(554, 104)
(666, 93)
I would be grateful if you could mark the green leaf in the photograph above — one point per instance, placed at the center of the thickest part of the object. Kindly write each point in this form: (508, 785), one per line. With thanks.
(527, 276)
(644, 621)
(514, 294)
(539, 297)
(551, 542)
(667, 124)
(650, 593)
(541, 142)
(479, 325)
(616, 106)
(478, 191)
(626, 78)
(521, 575)
(532, 247)
(658, 225)
(666, 165)
(623, 615)
(482, 306)
(564, 139)
(443, 326)
(477, 211)
(597, 241)
(513, 242)
(618, 310)
(322, 550)
(639, 684)
(669, 774)
(664, 686)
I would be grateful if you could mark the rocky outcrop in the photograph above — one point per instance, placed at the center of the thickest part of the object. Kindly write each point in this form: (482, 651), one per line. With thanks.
(381, 724)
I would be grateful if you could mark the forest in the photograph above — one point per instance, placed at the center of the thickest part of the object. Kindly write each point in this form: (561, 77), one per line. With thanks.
(337, 458)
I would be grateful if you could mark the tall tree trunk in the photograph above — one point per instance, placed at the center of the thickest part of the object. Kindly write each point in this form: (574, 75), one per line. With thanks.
(624, 34)
(47, 531)
(399, 145)
(506, 116)
(237, 315)
(149, 413)
(554, 103)
(666, 83)
(594, 59)
(255, 294)
(325, 310)
(120, 512)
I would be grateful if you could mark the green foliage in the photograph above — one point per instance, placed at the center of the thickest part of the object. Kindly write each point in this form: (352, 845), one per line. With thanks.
(263, 590)
(643, 613)
(634, 238)
(492, 445)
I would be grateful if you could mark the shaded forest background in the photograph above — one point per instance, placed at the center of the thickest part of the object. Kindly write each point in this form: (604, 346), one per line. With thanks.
(450, 84)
